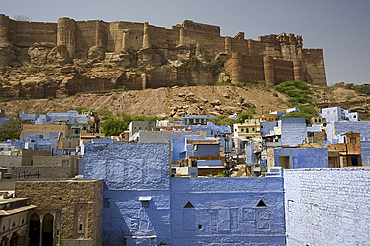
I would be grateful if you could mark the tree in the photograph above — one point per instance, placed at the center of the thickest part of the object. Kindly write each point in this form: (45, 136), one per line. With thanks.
(246, 114)
(114, 126)
(223, 120)
(307, 111)
(22, 18)
(11, 129)
(298, 91)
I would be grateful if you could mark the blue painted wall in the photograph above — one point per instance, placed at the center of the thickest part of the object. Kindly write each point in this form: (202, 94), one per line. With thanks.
(327, 206)
(224, 207)
(336, 128)
(293, 131)
(267, 127)
(225, 211)
(131, 171)
(365, 153)
(303, 157)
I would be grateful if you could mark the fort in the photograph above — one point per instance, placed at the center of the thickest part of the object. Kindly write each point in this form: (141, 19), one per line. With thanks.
(97, 55)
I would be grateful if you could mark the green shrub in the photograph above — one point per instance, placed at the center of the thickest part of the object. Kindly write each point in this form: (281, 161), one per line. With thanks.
(349, 86)
(6, 100)
(82, 110)
(223, 120)
(11, 129)
(364, 89)
(119, 90)
(216, 66)
(306, 111)
(298, 91)
(246, 115)
(194, 63)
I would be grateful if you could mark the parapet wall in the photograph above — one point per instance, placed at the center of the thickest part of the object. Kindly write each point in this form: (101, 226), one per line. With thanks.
(327, 206)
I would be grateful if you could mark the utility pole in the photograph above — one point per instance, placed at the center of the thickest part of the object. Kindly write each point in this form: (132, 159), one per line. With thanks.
(228, 154)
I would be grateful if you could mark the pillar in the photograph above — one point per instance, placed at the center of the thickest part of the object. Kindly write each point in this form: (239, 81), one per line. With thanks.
(4, 30)
(298, 70)
(227, 45)
(124, 47)
(67, 35)
(143, 81)
(98, 35)
(237, 68)
(268, 66)
(197, 49)
(181, 36)
(146, 43)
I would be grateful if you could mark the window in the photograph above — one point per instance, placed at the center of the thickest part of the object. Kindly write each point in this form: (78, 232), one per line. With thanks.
(261, 203)
(352, 140)
(106, 202)
(145, 204)
(188, 205)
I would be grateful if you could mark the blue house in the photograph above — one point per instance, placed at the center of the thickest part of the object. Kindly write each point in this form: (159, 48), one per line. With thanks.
(143, 205)
(293, 158)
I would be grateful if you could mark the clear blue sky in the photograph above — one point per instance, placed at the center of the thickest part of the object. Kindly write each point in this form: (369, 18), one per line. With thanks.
(340, 27)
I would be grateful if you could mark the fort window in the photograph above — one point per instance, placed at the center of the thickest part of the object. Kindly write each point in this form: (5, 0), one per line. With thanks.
(352, 140)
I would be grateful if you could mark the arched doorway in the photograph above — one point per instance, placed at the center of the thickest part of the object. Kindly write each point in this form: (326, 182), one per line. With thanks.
(14, 239)
(47, 230)
(34, 231)
(4, 240)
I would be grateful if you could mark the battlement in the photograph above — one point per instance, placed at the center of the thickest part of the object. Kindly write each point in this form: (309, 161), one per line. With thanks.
(199, 27)
(282, 38)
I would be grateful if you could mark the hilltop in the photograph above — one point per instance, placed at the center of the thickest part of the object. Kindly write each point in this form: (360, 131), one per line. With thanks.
(170, 103)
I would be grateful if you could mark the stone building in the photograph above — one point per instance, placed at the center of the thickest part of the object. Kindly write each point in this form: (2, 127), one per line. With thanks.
(144, 205)
(14, 213)
(160, 56)
(349, 151)
(251, 128)
(68, 212)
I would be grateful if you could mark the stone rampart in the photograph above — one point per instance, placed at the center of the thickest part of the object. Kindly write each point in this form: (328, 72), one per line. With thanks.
(184, 51)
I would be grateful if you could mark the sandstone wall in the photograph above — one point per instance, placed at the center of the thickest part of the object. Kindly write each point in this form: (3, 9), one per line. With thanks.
(64, 199)
(26, 34)
(253, 69)
(314, 66)
(84, 48)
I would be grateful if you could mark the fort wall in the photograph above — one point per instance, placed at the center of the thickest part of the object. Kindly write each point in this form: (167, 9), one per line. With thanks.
(25, 34)
(142, 47)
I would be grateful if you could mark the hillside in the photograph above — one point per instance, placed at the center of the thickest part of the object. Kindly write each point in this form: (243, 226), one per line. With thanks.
(170, 103)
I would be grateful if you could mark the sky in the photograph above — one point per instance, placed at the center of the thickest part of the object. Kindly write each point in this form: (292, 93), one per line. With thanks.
(340, 27)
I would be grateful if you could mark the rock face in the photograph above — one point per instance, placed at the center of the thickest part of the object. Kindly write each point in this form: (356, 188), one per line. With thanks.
(77, 56)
